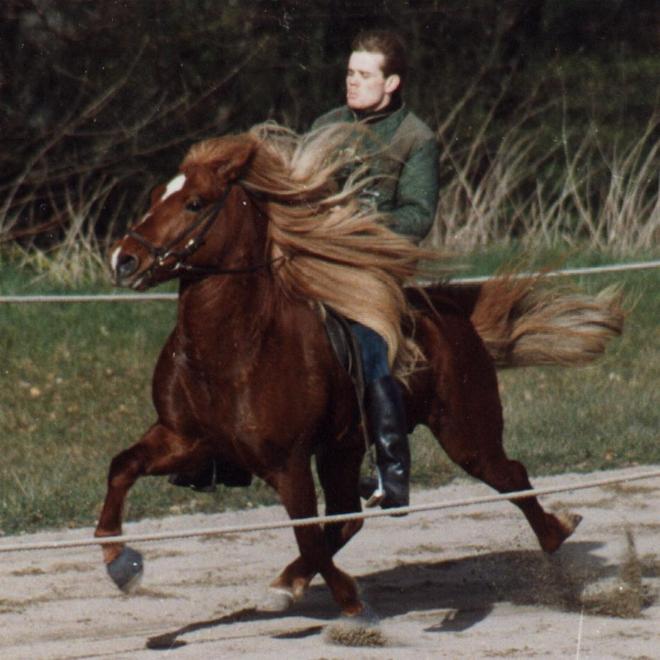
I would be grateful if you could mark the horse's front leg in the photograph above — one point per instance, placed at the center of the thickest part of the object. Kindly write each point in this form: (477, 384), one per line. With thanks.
(159, 451)
(296, 489)
(339, 480)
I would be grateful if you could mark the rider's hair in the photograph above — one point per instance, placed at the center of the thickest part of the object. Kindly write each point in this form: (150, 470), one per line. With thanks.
(387, 43)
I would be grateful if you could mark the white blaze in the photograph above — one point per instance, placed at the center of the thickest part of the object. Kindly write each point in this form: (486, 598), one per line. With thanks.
(174, 186)
(114, 258)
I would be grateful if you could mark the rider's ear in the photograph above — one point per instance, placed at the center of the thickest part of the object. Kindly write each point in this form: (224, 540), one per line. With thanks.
(234, 160)
(392, 83)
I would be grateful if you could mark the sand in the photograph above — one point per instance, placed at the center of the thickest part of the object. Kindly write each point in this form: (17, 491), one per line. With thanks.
(458, 583)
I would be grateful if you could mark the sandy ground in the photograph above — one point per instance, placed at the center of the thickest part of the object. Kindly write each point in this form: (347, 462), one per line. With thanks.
(458, 583)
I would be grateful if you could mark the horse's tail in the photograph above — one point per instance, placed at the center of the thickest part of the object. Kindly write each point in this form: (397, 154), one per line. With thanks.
(528, 321)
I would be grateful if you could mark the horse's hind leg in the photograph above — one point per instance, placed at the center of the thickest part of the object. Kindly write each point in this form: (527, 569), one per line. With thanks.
(466, 417)
(507, 476)
(159, 451)
(476, 445)
(339, 480)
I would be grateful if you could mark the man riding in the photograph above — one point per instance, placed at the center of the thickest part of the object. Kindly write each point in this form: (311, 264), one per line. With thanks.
(402, 155)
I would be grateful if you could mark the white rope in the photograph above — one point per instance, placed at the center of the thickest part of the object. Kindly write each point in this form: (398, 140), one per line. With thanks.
(591, 270)
(239, 529)
(159, 297)
(90, 297)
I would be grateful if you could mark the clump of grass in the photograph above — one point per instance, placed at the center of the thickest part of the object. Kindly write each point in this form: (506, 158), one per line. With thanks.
(78, 256)
(350, 633)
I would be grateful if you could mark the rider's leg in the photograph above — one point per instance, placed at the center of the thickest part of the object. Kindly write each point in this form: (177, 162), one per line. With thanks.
(387, 420)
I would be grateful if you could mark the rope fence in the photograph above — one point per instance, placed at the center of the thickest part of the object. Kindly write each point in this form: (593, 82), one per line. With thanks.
(319, 520)
(84, 298)
(160, 297)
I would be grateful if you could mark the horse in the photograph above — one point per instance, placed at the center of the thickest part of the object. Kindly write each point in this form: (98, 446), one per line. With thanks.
(263, 240)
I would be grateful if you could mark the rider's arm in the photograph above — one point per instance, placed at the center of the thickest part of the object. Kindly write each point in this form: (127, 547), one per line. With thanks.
(414, 206)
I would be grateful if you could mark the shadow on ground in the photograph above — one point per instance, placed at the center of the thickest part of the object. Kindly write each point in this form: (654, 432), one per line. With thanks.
(462, 591)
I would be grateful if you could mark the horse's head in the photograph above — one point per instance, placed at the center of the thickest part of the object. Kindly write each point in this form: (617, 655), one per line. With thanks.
(191, 220)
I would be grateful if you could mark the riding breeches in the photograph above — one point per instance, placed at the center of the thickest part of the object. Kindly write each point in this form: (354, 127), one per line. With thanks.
(373, 350)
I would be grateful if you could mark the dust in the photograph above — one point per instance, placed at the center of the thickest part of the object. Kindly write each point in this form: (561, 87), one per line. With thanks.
(144, 592)
(629, 489)
(11, 606)
(425, 548)
(159, 554)
(354, 634)
(573, 585)
(622, 597)
(73, 567)
(23, 572)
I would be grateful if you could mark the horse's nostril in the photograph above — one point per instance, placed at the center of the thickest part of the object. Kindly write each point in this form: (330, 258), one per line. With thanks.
(126, 265)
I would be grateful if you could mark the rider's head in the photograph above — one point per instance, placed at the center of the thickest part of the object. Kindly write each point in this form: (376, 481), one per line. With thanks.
(376, 70)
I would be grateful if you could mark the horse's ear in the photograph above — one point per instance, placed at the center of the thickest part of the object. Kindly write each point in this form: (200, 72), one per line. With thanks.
(234, 160)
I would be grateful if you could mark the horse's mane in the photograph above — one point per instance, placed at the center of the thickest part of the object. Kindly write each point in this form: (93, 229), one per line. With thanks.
(331, 247)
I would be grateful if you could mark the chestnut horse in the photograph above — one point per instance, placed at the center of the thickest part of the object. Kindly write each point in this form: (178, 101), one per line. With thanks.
(261, 238)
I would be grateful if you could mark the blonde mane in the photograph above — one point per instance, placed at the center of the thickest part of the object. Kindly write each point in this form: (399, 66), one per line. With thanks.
(333, 249)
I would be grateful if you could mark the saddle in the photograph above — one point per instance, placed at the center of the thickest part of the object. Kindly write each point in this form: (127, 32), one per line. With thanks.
(346, 348)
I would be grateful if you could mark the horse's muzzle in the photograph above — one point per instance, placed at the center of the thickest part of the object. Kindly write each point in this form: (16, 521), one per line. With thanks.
(125, 265)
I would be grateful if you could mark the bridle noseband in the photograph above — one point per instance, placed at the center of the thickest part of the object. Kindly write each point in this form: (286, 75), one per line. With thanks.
(162, 253)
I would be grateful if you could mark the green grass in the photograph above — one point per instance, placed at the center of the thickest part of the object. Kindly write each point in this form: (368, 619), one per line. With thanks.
(76, 390)
(600, 416)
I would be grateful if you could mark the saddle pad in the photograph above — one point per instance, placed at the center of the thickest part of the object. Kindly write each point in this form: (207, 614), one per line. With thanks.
(345, 347)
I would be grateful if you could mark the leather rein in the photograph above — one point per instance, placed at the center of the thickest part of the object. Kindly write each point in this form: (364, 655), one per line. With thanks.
(162, 253)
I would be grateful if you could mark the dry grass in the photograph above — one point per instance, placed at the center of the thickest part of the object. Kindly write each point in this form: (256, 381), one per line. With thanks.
(518, 184)
(79, 257)
(573, 192)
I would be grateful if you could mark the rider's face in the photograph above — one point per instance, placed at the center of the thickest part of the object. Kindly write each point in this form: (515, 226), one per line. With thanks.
(367, 88)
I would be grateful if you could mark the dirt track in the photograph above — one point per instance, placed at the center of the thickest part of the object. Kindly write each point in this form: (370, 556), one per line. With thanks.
(459, 583)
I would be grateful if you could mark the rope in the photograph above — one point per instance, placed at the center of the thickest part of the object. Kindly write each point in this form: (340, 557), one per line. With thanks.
(90, 297)
(591, 270)
(239, 529)
(159, 297)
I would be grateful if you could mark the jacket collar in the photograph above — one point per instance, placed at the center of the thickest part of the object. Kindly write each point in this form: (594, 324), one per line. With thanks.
(371, 117)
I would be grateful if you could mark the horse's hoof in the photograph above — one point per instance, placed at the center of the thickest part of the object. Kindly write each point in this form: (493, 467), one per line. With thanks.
(367, 617)
(564, 524)
(126, 570)
(276, 600)
(569, 521)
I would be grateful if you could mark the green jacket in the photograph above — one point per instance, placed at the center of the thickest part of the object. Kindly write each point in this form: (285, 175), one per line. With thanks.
(406, 162)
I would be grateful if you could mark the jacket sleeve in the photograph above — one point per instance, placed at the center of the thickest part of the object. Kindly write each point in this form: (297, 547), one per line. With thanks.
(416, 199)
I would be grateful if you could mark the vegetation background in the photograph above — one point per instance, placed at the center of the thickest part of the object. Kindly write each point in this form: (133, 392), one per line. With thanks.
(546, 112)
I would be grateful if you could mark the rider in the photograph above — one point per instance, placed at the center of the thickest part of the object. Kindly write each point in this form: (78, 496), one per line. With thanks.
(403, 154)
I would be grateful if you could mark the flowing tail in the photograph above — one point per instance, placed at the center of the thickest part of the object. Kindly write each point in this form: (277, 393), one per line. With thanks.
(529, 321)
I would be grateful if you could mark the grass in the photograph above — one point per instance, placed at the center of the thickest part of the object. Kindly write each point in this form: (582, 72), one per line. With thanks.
(601, 416)
(76, 390)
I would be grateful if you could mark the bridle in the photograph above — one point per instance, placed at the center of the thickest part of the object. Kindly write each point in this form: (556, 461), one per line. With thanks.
(161, 254)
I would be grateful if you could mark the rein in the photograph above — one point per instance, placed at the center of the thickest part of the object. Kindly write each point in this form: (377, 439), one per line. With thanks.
(162, 253)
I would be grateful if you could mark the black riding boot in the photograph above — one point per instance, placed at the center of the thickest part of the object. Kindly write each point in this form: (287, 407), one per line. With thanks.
(387, 419)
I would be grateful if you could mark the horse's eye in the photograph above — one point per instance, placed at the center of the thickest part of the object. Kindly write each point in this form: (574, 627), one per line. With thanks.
(194, 205)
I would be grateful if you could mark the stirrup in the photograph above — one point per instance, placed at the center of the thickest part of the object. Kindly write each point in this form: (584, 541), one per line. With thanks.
(378, 494)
